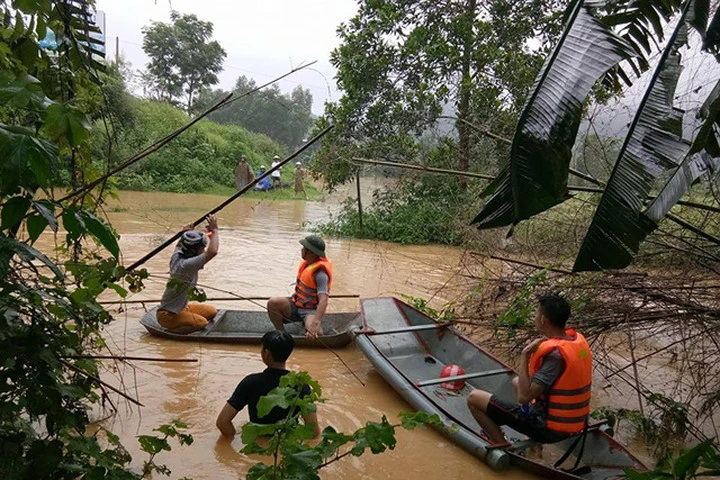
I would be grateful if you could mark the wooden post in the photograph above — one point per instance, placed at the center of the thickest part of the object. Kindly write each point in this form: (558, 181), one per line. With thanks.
(360, 212)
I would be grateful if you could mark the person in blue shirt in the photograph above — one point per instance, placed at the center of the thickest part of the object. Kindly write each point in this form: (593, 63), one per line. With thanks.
(263, 185)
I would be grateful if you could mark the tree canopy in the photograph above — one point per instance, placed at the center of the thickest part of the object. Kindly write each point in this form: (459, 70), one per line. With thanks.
(286, 118)
(403, 65)
(183, 60)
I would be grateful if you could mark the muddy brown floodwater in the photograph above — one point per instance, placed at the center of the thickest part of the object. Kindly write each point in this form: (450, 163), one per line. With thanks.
(259, 253)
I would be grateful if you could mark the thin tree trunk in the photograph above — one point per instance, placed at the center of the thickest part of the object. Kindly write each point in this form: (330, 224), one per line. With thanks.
(464, 132)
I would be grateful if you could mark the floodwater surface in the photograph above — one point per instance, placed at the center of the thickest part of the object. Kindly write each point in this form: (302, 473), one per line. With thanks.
(259, 254)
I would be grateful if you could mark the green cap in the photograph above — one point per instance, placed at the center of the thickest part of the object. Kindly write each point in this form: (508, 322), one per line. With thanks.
(315, 244)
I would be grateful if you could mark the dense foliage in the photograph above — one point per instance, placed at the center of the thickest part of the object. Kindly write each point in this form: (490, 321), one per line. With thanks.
(419, 209)
(183, 60)
(198, 160)
(286, 118)
(51, 385)
(404, 65)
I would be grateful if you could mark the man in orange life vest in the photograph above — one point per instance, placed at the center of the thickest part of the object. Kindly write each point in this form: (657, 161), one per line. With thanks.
(552, 387)
(312, 290)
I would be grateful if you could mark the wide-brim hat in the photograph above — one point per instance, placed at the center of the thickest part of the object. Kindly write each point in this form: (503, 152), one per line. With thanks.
(315, 244)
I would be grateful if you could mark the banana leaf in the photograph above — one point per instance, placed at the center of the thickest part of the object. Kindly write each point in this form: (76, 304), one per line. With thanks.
(653, 145)
(703, 158)
(535, 178)
(641, 24)
(694, 167)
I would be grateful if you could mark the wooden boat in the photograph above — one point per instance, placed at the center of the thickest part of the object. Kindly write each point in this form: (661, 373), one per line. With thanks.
(245, 326)
(409, 349)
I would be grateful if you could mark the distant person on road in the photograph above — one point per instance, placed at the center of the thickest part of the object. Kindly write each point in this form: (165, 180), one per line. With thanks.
(299, 183)
(276, 182)
(552, 387)
(312, 290)
(276, 348)
(263, 185)
(189, 257)
(243, 173)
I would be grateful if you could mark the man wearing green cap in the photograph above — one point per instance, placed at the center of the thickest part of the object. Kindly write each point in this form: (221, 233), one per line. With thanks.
(312, 290)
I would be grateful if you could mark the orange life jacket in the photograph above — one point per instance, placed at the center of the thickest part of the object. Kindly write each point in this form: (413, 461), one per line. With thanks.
(306, 295)
(568, 401)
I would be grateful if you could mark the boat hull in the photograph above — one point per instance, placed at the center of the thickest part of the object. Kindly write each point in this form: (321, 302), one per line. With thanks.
(405, 358)
(246, 326)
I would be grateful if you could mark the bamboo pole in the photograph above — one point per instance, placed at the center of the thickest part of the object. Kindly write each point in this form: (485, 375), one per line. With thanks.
(209, 299)
(572, 188)
(572, 171)
(229, 200)
(106, 385)
(134, 359)
(424, 168)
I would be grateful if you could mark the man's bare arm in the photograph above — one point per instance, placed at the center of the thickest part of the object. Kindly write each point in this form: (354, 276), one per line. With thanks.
(214, 244)
(224, 420)
(526, 389)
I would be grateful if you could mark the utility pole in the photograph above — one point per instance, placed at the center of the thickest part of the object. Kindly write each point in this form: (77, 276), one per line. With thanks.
(117, 49)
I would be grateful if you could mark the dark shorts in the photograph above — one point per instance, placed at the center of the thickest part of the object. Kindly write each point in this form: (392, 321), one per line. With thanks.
(297, 314)
(510, 413)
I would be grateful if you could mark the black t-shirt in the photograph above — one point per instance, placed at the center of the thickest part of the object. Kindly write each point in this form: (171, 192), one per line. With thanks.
(257, 385)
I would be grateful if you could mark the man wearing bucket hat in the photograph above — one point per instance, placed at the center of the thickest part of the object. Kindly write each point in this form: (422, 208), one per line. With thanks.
(189, 257)
(312, 290)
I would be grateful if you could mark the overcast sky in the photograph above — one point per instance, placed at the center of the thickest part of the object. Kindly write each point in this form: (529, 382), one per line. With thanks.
(262, 40)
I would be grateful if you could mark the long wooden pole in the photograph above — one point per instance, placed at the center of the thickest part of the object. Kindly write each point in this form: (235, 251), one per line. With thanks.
(230, 199)
(209, 299)
(423, 168)
(360, 211)
(572, 188)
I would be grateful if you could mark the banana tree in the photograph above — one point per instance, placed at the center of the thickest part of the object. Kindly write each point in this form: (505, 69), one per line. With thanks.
(535, 179)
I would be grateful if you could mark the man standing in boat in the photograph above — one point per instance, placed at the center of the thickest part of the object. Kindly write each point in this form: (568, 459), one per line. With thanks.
(276, 348)
(312, 290)
(189, 257)
(552, 386)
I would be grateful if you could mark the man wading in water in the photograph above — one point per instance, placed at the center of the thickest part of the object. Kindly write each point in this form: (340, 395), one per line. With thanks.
(553, 385)
(187, 260)
(276, 348)
(312, 290)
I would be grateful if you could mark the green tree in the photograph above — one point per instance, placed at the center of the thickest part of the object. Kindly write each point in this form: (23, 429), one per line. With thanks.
(402, 65)
(51, 319)
(286, 118)
(183, 60)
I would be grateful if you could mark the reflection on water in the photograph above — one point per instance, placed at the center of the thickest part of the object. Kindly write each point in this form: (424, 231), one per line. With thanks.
(259, 253)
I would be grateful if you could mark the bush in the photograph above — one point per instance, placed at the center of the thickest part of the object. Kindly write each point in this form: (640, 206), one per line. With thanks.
(423, 209)
(201, 158)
